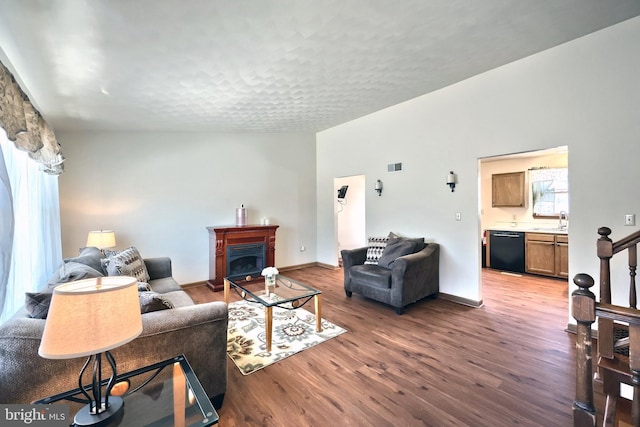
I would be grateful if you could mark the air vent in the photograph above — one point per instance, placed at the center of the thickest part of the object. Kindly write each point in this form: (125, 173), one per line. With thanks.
(393, 167)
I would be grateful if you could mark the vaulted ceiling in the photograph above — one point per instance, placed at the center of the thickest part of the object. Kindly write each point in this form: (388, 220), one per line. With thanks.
(267, 65)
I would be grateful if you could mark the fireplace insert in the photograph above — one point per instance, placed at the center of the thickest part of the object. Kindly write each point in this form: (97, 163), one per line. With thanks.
(245, 259)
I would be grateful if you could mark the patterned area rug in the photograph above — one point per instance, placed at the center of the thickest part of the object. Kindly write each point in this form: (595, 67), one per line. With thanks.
(293, 331)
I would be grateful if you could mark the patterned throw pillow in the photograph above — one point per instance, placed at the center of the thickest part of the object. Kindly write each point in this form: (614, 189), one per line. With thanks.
(375, 248)
(127, 262)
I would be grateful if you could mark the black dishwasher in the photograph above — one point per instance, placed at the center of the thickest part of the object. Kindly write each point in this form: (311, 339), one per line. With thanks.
(506, 250)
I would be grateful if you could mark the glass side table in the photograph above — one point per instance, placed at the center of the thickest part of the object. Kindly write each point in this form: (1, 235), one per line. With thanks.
(167, 393)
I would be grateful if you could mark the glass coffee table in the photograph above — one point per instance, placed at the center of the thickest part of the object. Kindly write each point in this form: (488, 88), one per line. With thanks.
(167, 393)
(287, 293)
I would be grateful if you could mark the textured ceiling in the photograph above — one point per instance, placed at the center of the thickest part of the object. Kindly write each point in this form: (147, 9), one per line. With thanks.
(267, 65)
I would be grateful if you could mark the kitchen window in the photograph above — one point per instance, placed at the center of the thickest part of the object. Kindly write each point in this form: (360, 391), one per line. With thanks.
(550, 191)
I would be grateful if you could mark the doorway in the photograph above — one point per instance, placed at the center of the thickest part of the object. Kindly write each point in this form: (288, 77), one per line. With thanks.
(515, 218)
(349, 213)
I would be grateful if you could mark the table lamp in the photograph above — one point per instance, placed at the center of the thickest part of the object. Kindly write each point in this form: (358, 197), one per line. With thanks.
(101, 239)
(89, 318)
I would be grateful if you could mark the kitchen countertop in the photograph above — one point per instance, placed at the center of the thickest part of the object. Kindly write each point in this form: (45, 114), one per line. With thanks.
(530, 229)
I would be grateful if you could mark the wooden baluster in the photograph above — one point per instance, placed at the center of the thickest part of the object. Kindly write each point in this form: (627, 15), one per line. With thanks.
(634, 364)
(634, 338)
(605, 326)
(605, 252)
(633, 264)
(584, 311)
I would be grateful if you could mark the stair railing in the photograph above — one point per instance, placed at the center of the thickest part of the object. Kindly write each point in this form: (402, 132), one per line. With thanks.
(586, 310)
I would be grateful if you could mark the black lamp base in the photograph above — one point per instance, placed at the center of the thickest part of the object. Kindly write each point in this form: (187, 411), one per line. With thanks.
(111, 416)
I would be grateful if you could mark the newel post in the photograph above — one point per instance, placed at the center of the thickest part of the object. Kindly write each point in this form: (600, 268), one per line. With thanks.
(605, 326)
(584, 311)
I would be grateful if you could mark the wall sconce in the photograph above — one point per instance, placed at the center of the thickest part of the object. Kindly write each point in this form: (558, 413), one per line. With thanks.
(378, 187)
(451, 181)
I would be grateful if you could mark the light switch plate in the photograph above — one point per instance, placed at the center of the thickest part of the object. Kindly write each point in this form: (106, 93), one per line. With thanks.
(458, 216)
(630, 219)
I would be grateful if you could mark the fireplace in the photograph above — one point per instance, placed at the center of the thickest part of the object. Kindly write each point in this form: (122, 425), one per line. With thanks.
(236, 250)
(245, 260)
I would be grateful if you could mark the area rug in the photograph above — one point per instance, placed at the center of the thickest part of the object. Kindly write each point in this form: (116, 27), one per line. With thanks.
(293, 332)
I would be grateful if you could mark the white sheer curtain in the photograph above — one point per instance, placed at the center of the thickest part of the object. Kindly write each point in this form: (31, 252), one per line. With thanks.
(6, 230)
(36, 250)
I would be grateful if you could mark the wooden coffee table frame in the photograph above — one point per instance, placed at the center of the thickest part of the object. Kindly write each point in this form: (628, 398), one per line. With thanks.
(268, 307)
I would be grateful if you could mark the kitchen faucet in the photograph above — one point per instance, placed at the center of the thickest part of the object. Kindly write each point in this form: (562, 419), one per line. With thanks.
(563, 216)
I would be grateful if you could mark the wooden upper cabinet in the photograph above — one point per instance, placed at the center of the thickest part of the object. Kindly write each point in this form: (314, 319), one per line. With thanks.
(507, 189)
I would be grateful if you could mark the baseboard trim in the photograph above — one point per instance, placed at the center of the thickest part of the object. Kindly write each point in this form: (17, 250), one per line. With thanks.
(280, 269)
(460, 300)
(309, 264)
(328, 266)
(194, 284)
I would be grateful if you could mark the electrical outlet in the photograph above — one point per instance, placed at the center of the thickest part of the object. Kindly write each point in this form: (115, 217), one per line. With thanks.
(458, 216)
(630, 219)
(302, 248)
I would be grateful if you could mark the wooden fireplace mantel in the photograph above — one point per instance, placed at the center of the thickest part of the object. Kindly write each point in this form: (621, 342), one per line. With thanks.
(226, 235)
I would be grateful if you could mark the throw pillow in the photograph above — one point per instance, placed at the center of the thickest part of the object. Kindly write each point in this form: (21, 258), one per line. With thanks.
(395, 249)
(37, 304)
(127, 262)
(153, 301)
(91, 251)
(142, 286)
(419, 241)
(89, 261)
(375, 248)
(70, 271)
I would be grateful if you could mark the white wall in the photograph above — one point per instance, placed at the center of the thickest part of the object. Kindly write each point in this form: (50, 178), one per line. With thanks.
(583, 94)
(159, 192)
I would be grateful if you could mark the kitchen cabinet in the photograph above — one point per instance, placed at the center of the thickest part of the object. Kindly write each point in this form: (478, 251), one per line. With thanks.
(547, 254)
(507, 189)
(562, 255)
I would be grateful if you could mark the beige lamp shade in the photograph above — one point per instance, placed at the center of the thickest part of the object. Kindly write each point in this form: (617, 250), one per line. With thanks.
(101, 239)
(91, 316)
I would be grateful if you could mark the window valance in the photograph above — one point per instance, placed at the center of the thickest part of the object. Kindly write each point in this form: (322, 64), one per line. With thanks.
(26, 127)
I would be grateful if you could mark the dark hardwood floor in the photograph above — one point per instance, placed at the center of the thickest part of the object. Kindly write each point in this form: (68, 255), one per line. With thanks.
(509, 362)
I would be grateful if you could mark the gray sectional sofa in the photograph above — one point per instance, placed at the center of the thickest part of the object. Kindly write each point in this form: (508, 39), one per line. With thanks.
(199, 331)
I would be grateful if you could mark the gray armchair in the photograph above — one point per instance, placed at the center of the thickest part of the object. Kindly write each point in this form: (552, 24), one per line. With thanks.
(408, 279)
